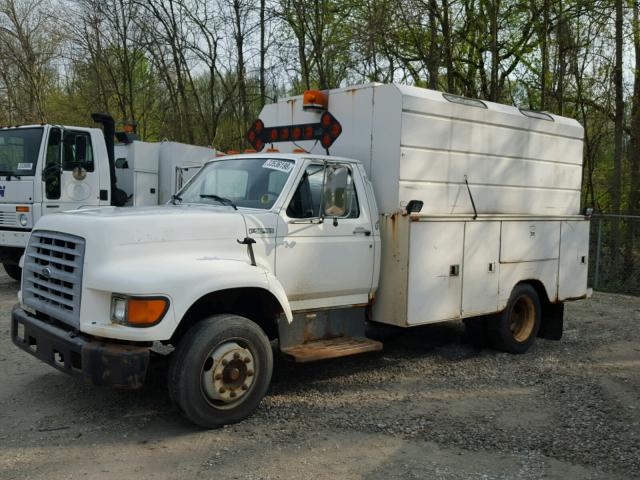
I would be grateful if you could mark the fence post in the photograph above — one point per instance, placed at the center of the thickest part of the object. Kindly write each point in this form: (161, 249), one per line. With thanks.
(598, 244)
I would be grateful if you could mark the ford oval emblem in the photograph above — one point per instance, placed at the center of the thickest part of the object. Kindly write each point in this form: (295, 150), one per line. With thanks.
(46, 273)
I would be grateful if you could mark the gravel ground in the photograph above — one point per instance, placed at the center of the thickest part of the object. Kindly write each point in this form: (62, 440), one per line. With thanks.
(430, 405)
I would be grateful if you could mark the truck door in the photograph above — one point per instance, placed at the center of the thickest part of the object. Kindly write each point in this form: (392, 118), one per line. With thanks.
(324, 247)
(69, 174)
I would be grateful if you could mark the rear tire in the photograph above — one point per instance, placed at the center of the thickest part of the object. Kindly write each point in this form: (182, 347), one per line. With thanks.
(516, 328)
(13, 270)
(220, 370)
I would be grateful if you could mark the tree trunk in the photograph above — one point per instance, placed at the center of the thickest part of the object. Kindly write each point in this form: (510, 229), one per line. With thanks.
(616, 181)
(633, 229)
(263, 54)
(562, 64)
(240, 70)
(544, 48)
(434, 62)
(448, 46)
(495, 53)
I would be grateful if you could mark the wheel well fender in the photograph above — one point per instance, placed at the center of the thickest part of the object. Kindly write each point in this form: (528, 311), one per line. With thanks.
(258, 304)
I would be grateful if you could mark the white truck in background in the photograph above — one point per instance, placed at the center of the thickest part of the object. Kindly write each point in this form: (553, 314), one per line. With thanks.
(51, 168)
(400, 206)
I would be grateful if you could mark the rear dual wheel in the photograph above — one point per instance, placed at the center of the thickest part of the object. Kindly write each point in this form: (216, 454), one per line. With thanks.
(220, 370)
(515, 329)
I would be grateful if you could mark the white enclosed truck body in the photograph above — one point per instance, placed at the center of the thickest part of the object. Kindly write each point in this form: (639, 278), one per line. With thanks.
(402, 206)
(50, 168)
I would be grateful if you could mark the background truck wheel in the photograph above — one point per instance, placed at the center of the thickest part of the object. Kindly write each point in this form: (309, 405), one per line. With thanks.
(13, 270)
(515, 329)
(220, 370)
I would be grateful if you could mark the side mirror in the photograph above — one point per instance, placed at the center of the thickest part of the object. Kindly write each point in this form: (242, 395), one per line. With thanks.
(122, 163)
(335, 191)
(81, 148)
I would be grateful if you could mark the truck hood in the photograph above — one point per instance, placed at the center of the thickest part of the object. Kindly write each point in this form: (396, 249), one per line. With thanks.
(16, 191)
(167, 224)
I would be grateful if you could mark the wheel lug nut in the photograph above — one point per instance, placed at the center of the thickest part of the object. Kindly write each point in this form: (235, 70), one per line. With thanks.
(222, 390)
(236, 355)
(249, 373)
(218, 376)
(247, 359)
(244, 387)
(232, 394)
(224, 363)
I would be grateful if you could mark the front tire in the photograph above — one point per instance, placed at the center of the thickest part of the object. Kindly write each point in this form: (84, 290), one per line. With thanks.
(221, 370)
(516, 328)
(13, 270)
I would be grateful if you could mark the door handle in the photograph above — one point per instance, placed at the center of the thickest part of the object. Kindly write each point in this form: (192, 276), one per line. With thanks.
(362, 230)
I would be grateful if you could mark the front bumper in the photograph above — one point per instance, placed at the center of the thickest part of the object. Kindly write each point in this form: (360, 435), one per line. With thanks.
(14, 237)
(94, 361)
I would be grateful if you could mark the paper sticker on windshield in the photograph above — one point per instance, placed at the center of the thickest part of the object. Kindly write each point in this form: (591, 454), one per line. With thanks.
(280, 165)
(25, 166)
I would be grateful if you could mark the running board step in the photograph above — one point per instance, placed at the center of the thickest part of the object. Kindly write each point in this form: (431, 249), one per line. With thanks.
(332, 348)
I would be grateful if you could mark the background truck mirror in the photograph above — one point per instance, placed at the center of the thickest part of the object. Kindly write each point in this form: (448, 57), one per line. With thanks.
(81, 148)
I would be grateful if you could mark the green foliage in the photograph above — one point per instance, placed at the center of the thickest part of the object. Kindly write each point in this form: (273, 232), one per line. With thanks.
(174, 65)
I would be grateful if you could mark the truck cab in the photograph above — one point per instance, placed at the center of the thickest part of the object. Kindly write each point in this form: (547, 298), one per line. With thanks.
(53, 168)
(45, 169)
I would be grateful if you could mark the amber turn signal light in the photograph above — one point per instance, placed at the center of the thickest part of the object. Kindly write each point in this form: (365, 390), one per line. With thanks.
(144, 312)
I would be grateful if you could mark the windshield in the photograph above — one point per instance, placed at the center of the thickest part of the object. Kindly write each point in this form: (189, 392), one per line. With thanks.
(19, 149)
(241, 182)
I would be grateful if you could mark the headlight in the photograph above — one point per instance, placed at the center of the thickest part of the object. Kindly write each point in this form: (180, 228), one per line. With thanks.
(23, 219)
(138, 311)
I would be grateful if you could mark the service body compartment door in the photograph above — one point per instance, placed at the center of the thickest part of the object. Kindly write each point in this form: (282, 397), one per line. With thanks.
(481, 260)
(435, 271)
(529, 241)
(145, 189)
(574, 251)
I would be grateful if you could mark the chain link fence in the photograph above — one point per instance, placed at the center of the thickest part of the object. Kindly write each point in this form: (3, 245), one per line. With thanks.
(614, 253)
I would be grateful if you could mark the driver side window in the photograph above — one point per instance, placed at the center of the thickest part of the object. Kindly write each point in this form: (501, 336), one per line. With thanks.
(51, 171)
(306, 201)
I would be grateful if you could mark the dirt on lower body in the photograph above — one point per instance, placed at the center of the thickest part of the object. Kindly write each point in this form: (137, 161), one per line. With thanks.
(430, 405)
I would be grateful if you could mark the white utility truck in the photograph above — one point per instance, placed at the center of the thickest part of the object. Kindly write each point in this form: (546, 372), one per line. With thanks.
(406, 207)
(51, 168)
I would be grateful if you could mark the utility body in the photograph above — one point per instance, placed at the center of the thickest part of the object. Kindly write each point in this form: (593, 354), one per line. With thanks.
(52, 168)
(406, 207)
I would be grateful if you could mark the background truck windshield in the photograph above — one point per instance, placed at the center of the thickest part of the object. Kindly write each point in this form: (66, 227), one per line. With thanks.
(19, 149)
(250, 182)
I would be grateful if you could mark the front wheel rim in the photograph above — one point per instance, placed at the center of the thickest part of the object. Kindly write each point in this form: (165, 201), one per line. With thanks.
(228, 374)
(522, 319)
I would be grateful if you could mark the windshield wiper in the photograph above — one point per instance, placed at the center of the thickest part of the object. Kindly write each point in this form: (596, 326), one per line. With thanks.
(174, 198)
(222, 200)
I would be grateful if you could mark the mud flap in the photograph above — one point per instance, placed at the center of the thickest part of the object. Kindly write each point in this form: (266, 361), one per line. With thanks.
(552, 321)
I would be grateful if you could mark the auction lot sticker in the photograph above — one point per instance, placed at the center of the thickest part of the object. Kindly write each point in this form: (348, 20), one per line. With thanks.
(280, 165)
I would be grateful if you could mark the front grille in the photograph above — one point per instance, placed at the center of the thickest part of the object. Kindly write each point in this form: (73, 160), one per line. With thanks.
(52, 275)
(8, 219)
